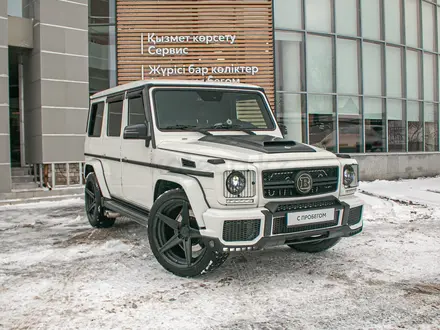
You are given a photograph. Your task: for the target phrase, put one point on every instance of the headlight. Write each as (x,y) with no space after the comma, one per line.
(236,183)
(350,179)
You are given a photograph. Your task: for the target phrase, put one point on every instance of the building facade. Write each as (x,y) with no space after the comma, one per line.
(352,76)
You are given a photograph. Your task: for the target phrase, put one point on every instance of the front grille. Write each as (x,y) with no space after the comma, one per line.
(280,226)
(281,183)
(241,230)
(305,205)
(354,216)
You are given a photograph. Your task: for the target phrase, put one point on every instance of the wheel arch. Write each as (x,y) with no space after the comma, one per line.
(95,166)
(190,186)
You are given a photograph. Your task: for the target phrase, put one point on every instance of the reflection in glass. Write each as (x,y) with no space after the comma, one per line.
(428,26)
(350,125)
(372,69)
(428,76)
(396,126)
(413,74)
(347,66)
(412,22)
(394,71)
(288,14)
(102,11)
(102,58)
(289,56)
(346,17)
(371,19)
(319,64)
(318,15)
(415,127)
(393,21)
(322,128)
(375,130)
(431,127)
(291,114)
(15,8)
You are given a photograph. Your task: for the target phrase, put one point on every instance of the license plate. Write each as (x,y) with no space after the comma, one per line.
(307,217)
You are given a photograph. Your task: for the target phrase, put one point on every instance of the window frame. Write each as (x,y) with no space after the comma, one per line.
(90,119)
(111,100)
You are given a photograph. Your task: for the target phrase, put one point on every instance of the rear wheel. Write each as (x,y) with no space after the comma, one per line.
(93,204)
(175,239)
(314,247)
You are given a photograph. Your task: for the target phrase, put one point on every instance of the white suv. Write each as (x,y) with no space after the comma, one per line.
(206,167)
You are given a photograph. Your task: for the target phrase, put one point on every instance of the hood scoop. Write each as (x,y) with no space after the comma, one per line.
(262,143)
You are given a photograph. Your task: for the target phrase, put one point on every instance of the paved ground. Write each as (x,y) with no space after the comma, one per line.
(58,273)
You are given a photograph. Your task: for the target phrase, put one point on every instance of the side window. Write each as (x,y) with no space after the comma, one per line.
(114,118)
(136,111)
(95,123)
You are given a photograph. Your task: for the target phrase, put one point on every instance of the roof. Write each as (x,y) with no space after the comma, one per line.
(161,82)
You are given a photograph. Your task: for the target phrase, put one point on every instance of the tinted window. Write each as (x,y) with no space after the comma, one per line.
(95,125)
(136,112)
(114,118)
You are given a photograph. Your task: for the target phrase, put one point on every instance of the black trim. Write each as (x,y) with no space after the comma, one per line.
(188,163)
(134,93)
(203,191)
(216,161)
(131,205)
(156,166)
(116,98)
(343,156)
(146,99)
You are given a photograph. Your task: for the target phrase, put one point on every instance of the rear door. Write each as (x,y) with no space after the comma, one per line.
(111,145)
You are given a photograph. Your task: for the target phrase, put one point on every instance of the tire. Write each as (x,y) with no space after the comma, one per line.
(315,247)
(173,234)
(93,204)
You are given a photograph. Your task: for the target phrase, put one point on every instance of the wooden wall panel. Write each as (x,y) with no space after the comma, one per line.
(242,37)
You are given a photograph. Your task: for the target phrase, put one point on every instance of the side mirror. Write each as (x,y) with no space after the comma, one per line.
(137,132)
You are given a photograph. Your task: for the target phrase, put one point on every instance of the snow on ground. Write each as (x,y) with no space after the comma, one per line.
(57,272)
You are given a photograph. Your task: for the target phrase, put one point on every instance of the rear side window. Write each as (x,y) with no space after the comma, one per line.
(95,124)
(114,118)
(136,111)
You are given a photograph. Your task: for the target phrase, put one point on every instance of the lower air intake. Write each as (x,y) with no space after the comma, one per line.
(241,230)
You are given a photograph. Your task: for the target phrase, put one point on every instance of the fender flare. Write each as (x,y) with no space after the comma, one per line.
(100,177)
(193,191)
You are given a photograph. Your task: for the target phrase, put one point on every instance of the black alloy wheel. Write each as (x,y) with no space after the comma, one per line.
(93,204)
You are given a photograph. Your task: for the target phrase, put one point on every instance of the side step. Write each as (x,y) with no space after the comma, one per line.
(136,214)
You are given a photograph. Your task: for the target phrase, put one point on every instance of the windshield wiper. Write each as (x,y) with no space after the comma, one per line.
(234,127)
(189,128)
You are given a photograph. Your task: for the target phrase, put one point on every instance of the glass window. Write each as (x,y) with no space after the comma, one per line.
(319,64)
(394,71)
(322,128)
(210,109)
(15,8)
(431,127)
(288,14)
(114,118)
(290,112)
(95,123)
(428,26)
(375,130)
(428,76)
(136,111)
(412,22)
(393,21)
(415,127)
(413,74)
(371,19)
(346,17)
(318,15)
(396,126)
(350,125)
(102,58)
(102,11)
(289,54)
(372,69)
(347,66)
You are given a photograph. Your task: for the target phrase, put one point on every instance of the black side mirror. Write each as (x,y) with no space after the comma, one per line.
(137,132)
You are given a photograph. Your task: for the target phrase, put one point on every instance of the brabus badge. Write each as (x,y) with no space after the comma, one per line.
(303,183)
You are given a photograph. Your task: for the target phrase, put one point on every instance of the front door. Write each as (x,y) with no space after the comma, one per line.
(136,174)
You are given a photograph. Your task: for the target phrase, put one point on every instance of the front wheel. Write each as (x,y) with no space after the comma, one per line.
(315,247)
(175,239)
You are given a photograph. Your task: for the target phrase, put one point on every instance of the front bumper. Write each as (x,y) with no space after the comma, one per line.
(257,228)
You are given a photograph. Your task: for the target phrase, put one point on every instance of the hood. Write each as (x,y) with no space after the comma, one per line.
(247,148)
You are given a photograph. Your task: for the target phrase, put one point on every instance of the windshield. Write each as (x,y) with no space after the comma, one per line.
(195,109)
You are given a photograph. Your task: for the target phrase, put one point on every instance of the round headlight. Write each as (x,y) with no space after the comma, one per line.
(349,175)
(235,183)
